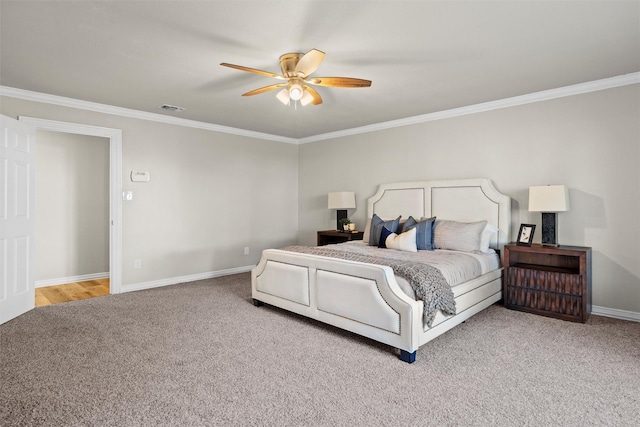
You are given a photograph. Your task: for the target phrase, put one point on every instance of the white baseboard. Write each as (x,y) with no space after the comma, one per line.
(70,279)
(615,313)
(184,279)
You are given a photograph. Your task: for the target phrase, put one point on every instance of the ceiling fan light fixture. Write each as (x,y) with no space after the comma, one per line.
(296,91)
(296,68)
(306,98)
(283,96)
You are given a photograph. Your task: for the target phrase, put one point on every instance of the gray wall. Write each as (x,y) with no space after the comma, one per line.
(210,194)
(72,209)
(589,142)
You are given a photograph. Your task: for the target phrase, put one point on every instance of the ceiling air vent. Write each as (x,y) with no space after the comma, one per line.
(171,108)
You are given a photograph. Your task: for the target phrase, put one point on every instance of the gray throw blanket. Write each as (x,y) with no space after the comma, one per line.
(427,281)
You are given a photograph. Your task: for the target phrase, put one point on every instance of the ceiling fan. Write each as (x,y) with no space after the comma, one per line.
(296,68)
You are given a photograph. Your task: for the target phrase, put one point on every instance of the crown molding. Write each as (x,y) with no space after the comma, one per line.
(545,95)
(136,114)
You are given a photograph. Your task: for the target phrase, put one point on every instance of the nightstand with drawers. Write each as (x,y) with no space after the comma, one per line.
(551,281)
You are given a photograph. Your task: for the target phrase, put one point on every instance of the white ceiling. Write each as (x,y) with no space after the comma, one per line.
(422,56)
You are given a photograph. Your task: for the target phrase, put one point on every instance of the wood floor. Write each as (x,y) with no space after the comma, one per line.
(71,292)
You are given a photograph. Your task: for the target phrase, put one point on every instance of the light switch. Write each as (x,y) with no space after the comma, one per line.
(127,195)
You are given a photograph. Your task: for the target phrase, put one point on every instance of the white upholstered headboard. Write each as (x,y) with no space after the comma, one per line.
(458,200)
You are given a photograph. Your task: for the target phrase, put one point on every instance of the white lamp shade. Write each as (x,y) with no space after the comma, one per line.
(548,198)
(283,96)
(342,200)
(306,98)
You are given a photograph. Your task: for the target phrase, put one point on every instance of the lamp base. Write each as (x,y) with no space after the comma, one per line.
(549,229)
(340,214)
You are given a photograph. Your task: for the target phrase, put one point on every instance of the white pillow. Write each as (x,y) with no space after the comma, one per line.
(485,241)
(367,231)
(403,242)
(458,236)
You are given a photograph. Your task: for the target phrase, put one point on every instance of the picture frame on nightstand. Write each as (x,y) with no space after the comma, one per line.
(525,235)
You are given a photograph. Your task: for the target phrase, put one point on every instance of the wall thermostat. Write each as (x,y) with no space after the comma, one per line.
(140,176)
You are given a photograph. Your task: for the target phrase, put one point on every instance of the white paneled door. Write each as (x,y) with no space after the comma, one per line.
(17,224)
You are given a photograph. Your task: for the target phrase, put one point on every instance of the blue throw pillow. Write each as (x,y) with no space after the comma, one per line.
(383,237)
(424,232)
(376,228)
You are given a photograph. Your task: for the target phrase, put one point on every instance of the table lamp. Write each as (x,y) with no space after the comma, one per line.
(549,199)
(341,201)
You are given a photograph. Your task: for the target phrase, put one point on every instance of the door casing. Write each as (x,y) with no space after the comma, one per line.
(115,185)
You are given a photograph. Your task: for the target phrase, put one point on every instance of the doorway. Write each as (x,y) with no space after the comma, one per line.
(114,220)
(71,217)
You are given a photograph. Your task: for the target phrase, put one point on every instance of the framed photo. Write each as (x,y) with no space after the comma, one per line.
(525,235)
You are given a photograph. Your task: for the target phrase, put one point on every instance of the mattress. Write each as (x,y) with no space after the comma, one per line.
(457,267)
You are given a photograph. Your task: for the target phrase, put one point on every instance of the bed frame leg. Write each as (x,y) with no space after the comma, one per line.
(257,303)
(405,356)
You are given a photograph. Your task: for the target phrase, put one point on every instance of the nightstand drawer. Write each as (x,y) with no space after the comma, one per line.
(552,281)
(544,302)
(544,291)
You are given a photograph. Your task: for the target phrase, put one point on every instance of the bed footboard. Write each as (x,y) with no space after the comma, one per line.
(361,298)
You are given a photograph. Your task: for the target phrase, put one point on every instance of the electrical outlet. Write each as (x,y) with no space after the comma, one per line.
(137,263)
(246,250)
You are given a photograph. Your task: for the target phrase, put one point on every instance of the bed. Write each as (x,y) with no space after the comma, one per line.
(368,298)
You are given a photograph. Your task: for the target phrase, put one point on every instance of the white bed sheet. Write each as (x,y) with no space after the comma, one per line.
(457,267)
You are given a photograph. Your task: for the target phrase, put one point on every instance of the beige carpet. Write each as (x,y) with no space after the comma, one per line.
(201,354)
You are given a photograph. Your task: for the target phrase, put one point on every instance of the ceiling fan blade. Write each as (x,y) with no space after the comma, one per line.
(309,62)
(339,82)
(253,70)
(317,99)
(264,89)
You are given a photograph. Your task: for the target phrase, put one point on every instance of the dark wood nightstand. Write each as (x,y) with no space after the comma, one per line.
(547,280)
(327,237)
